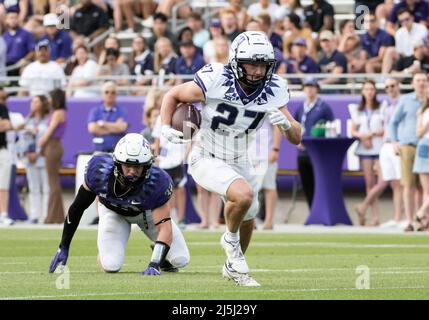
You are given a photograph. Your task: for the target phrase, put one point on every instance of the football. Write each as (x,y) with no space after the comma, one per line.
(187,119)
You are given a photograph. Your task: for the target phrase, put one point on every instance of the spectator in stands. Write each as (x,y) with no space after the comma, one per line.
(418,62)
(164,60)
(3,51)
(165,7)
(201,35)
(5,166)
(263,6)
(221,51)
(186,35)
(3,96)
(311,112)
(21,7)
(112,42)
(141,62)
(299,61)
(51,147)
(382,13)
(240,12)
(160,29)
(421,165)
(229,22)
(419,9)
(368,127)
(405,143)
(189,62)
(34,128)
(130,9)
(319,16)
(265,23)
(151,111)
(286,8)
(81,79)
(375,43)
(332,61)
(89,21)
(19,43)
(216,31)
(71,62)
(349,45)
(42,76)
(107,122)
(390,163)
(60,42)
(293,30)
(111,67)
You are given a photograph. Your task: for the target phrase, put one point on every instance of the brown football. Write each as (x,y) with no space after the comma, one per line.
(187,119)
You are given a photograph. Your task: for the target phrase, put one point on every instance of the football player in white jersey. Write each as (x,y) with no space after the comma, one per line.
(236,99)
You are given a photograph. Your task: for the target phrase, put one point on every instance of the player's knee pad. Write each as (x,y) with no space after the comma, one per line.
(180,261)
(110,263)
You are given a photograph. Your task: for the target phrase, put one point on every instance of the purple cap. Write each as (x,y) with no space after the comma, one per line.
(310,82)
(299,42)
(215,23)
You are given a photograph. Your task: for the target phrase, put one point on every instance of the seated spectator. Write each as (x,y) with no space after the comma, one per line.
(299,61)
(42,76)
(141,60)
(349,45)
(160,29)
(419,9)
(60,42)
(21,7)
(186,35)
(293,30)
(382,13)
(286,8)
(201,35)
(418,62)
(130,9)
(165,7)
(111,67)
(112,42)
(229,23)
(319,16)
(265,23)
(240,12)
(82,77)
(151,111)
(332,61)
(263,6)
(189,62)
(374,44)
(215,32)
(221,45)
(107,122)
(164,60)
(71,62)
(19,43)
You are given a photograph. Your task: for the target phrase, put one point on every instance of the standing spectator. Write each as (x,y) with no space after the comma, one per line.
(313,110)
(293,30)
(60,42)
(332,60)
(107,122)
(189,62)
(38,187)
(82,76)
(368,127)
(215,32)
(240,12)
(405,143)
(42,76)
(419,9)
(19,43)
(51,147)
(375,43)
(160,29)
(390,163)
(319,16)
(111,67)
(201,35)
(229,22)
(265,23)
(164,59)
(5,166)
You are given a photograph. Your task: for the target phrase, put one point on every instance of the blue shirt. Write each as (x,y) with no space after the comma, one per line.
(420,11)
(107,142)
(18,45)
(372,45)
(60,45)
(327,64)
(406,112)
(320,111)
(276,41)
(183,68)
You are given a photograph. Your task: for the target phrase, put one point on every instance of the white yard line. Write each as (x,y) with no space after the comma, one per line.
(317,244)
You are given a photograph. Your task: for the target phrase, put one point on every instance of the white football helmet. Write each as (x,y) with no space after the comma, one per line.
(133,149)
(248,47)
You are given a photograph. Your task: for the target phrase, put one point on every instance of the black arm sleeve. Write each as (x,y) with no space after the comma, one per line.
(83,200)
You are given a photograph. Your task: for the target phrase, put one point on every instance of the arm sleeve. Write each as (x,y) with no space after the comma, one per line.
(82,201)
(396,119)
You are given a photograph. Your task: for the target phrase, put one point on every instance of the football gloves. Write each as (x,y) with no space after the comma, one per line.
(60,257)
(277,118)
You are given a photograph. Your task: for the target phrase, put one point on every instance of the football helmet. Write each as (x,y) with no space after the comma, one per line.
(132,150)
(251,47)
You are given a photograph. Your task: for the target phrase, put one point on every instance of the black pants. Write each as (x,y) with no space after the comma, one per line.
(305,169)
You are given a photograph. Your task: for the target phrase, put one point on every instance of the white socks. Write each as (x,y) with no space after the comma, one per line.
(234,237)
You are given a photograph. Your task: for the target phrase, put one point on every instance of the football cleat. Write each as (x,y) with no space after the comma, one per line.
(240,279)
(236,260)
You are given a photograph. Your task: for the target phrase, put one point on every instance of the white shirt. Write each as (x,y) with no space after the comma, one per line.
(369,121)
(272,10)
(41,78)
(404,40)
(84,72)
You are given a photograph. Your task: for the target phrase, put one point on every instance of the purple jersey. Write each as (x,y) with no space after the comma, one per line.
(154,192)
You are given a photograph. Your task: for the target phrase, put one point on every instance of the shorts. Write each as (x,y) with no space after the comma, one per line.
(368,157)
(216,175)
(407,154)
(5,169)
(268,175)
(390,163)
(178,176)
(421,161)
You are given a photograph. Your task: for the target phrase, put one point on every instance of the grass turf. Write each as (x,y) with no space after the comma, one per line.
(288,266)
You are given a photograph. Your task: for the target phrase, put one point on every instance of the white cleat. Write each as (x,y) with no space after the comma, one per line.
(240,279)
(235,256)
(6,221)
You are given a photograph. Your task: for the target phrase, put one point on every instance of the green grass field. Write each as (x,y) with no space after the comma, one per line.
(288,266)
